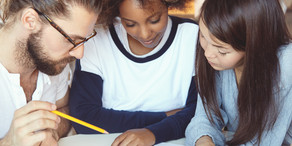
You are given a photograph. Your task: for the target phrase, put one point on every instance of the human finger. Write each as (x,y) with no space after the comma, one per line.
(119,139)
(50,140)
(34,138)
(33,106)
(129,138)
(39,125)
(128,141)
(136,142)
(36,115)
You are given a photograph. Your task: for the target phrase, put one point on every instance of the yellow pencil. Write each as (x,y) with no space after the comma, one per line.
(79,122)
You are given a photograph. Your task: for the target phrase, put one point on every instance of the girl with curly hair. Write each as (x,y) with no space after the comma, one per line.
(136,76)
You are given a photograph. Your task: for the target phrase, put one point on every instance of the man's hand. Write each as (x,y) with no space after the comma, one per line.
(52,139)
(31,123)
(135,137)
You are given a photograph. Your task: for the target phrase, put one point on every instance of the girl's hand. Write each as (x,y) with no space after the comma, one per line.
(135,137)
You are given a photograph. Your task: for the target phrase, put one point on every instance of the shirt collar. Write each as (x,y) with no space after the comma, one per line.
(15,77)
(46,78)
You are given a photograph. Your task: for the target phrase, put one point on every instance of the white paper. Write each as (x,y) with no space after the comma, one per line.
(104,140)
(168,144)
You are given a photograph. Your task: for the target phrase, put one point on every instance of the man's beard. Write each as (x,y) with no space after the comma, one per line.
(33,55)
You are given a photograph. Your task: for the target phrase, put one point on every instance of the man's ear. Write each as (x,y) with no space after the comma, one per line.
(30,20)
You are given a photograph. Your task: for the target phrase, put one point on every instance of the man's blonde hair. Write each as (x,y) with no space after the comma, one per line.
(9,9)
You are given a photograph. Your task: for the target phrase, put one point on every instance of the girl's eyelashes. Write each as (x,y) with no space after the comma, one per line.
(218,47)
(222,53)
(130,25)
(152,22)
(155,21)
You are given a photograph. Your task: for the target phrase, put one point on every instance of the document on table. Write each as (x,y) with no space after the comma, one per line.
(88,140)
(104,140)
(168,144)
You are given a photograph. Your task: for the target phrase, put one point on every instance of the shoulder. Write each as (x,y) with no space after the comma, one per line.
(179,20)
(184,23)
(285,52)
(94,49)
(285,61)
(186,29)
(101,33)
(104,37)
(285,57)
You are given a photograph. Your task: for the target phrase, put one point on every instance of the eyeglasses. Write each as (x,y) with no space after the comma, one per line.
(75,44)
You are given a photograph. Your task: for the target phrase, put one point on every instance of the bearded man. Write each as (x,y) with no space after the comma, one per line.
(38,38)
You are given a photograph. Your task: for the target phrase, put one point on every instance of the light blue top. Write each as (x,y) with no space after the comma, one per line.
(227,93)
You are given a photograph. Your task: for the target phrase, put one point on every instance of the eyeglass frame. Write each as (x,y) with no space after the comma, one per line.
(59,29)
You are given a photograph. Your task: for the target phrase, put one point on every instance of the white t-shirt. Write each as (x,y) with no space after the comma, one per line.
(49,88)
(155,82)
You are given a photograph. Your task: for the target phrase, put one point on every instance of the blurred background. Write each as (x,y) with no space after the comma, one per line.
(193,9)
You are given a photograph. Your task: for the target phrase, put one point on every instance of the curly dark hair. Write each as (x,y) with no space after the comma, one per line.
(111,8)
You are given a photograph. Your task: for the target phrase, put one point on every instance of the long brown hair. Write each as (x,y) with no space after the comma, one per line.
(258,28)
(11,8)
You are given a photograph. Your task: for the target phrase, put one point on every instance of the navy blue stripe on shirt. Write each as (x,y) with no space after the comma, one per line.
(175,22)
(180,20)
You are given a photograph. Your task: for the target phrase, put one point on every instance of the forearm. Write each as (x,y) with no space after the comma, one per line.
(112,120)
(172,127)
(200,126)
(86,104)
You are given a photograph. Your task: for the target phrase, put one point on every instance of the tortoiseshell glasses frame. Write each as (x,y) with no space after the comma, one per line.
(75,45)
